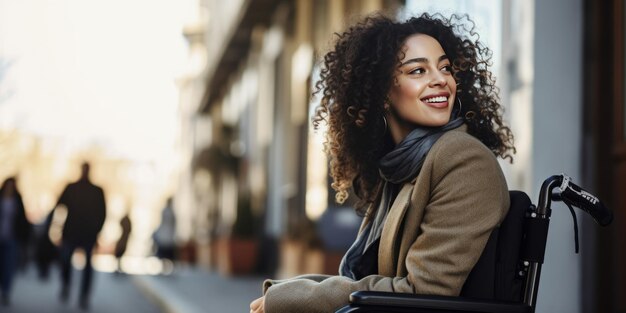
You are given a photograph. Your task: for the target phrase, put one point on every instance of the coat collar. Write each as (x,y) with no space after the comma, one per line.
(462,128)
(391,229)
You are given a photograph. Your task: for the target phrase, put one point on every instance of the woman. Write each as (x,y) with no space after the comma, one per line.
(14,230)
(414,129)
(122,242)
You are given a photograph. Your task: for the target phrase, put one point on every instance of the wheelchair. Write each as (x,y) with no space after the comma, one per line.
(506,277)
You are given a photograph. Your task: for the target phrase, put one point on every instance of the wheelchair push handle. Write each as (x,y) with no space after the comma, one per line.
(580,198)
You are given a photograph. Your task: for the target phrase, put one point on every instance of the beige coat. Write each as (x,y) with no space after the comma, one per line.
(434,233)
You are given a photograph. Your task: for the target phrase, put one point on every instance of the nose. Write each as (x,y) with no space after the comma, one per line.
(438,79)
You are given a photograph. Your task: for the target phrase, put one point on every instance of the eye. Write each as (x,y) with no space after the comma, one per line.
(418,70)
(446,69)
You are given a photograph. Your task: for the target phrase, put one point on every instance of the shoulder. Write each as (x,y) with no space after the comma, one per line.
(459,141)
(71,186)
(462,156)
(462,165)
(458,148)
(93,186)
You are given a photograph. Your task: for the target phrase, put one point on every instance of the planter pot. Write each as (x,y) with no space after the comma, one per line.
(292,258)
(296,259)
(322,261)
(236,256)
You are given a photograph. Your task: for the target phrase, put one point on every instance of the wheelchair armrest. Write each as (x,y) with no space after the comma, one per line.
(373,301)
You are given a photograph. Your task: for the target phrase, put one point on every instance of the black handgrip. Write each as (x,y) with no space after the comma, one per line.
(578,197)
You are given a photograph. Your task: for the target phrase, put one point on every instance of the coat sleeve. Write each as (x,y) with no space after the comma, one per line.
(468,199)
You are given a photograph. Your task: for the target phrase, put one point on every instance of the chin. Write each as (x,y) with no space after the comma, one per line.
(440,122)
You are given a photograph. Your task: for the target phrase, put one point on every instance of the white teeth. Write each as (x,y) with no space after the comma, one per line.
(436,99)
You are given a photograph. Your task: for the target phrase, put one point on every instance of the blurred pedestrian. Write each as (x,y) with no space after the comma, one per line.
(45,250)
(120,247)
(86,212)
(165,235)
(14,233)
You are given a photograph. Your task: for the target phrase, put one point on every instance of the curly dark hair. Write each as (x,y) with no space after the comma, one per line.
(357,74)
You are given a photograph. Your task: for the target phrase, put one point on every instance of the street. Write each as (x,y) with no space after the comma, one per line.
(188,290)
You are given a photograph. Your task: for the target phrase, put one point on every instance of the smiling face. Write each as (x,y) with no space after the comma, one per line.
(424,88)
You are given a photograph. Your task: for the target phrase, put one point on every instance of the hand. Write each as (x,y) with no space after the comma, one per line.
(258,305)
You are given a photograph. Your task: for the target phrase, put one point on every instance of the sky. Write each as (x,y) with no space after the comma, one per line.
(90,71)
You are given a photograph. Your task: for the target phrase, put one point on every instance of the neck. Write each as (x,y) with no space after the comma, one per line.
(397,129)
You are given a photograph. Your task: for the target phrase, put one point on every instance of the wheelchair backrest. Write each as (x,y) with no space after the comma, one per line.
(496,275)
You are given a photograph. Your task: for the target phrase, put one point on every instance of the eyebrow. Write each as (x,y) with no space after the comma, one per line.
(422,60)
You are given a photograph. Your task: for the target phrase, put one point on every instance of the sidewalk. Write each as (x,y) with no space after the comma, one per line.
(110,293)
(194,290)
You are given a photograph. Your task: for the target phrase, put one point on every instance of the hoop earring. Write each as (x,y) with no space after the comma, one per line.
(386,125)
(460,105)
(386,106)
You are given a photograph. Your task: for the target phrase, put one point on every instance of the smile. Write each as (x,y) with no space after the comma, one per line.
(436,99)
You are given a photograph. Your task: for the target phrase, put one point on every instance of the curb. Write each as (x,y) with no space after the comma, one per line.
(163,296)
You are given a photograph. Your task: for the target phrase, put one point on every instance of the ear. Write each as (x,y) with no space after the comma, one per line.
(388,103)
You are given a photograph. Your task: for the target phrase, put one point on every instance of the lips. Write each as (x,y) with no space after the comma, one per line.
(438,101)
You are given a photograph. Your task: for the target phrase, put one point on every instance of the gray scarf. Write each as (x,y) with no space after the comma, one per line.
(405,161)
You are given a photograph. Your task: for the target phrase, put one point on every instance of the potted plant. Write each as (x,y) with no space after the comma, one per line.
(238,251)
